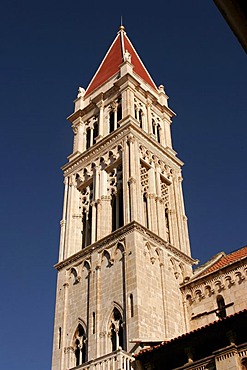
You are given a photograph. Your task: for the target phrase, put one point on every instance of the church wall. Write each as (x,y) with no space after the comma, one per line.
(201,295)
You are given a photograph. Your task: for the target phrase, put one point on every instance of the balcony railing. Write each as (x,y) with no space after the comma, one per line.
(117,360)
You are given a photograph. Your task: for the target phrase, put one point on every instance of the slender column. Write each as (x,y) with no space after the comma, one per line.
(105,226)
(126,195)
(161,134)
(149,118)
(128,108)
(138,182)
(132,180)
(167,134)
(64,327)
(69,217)
(101,118)
(97,311)
(151,201)
(115,115)
(91,134)
(63,221)
(173,221)
(78,129)
(184,225)
(164,294)
(159,205)
(94,222)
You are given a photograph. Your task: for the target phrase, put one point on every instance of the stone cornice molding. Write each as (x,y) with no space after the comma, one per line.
(116,138)
(215,282)
(117,237)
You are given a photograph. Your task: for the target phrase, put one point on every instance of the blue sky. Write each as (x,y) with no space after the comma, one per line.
(48,49)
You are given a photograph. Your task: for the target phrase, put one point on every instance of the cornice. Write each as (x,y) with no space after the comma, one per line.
(113,139)
(231,267)
(117,236)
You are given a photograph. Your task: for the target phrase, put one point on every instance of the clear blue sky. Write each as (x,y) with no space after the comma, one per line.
(48,49)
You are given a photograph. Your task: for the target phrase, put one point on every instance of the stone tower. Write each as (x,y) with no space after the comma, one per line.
(124,246)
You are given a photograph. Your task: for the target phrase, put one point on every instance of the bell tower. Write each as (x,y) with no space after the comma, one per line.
(124,245)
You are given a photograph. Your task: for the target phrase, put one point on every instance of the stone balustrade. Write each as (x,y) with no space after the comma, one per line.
(117,360)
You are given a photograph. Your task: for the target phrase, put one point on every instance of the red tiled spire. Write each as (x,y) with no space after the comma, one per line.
(112,60)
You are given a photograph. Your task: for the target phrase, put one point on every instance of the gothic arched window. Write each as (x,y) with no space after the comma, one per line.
(80,346)
(87,195)
(116,330)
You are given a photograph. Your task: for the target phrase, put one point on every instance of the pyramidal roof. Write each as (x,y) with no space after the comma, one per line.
(114,58)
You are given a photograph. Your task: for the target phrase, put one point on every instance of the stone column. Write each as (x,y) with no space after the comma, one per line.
(173,221)
(105,210)
(132,180)
(128,108)
(101,119)
(167,133)
(184,219)
(64,343)
(63,221)
(69,217)
(149,118)
(78,129)
(161,134)
(126,175)
(151,196)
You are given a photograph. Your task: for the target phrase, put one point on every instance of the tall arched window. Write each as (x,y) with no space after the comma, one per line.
(115,115)
(116,330)
(87,195)
(80,344)
(221,312)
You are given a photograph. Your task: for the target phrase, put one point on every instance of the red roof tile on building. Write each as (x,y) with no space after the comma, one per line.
(226,260)
(112,60)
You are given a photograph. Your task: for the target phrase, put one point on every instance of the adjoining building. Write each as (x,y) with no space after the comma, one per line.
(125,278)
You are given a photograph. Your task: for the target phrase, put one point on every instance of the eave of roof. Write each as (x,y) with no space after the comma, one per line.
(213,324)
(224,261)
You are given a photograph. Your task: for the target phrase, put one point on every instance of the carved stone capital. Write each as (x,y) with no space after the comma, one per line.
(62,223)
(132,180)
(131,138)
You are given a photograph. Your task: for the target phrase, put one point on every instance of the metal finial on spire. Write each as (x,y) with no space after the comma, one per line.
(121,24)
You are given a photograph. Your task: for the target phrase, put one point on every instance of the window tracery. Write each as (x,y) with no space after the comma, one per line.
(86,204)
(156,127)
(80,345)
(116,330)
(92,131)
(115,189)
(115,114)
(139,112)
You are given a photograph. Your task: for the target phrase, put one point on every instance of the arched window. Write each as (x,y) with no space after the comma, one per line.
(140,117)
(136,112)
(80,348)
(119,111)
(221,312)
(167,225)
(87,195)
(154,127)
(88,133)
(116,330)
(145,209)
(111,121)
(115,115)
(95,131)
(158,133)
(131,305)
